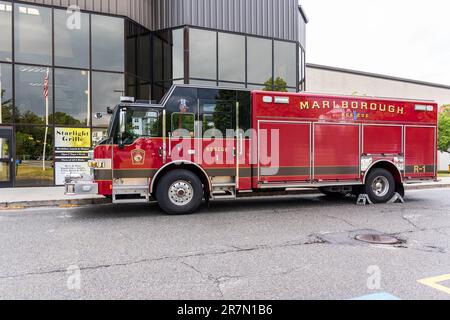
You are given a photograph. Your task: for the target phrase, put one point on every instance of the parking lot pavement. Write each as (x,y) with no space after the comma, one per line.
(299,247)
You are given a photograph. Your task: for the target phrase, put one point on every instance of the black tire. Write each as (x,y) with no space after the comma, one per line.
(387,194)
(167,204)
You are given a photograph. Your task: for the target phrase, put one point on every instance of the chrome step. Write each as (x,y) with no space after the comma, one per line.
(128,191)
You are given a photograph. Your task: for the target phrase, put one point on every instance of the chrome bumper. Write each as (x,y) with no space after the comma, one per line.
(74,185)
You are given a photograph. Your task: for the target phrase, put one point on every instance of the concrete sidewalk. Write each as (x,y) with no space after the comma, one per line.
(44,197)
(54,196)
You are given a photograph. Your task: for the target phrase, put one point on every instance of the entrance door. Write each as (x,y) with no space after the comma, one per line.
(6,158)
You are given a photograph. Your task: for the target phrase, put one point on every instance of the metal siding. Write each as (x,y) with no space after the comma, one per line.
(279,19)
(270,18)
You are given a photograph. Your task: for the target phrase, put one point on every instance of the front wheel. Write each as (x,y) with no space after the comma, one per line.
(380,186)
(179,192)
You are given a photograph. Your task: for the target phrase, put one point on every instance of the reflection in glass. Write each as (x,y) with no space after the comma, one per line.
(6,93)
(31,103)
(286,62)
(202,54)
(259,60)
(6,29)
(178,53)
(71,97)
(32,168)
(231,57)
(33,34)
(98,135)
(71,41)
(108,51)
(107,88)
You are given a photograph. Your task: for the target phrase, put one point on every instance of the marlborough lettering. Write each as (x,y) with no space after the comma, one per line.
(351,105)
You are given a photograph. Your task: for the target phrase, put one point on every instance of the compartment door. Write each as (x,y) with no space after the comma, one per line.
(420,152)
(336,152)
(284,152)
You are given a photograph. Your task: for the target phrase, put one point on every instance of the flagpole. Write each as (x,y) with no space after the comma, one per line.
(46,92)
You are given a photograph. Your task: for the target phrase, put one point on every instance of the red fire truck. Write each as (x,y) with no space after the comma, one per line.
(203,143)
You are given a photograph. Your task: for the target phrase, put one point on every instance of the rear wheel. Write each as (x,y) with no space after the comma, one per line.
(380,186)
(179,192)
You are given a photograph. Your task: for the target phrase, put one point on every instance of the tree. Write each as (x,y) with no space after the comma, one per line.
(279,85)
(444,129)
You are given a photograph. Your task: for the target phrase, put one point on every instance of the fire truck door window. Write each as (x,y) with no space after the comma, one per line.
(140,123)
(217,117)
(182,100)
(183,125)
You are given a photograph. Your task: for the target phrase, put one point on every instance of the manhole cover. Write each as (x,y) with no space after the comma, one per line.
(377,239)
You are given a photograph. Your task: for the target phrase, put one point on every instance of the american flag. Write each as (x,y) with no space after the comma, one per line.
(46,86)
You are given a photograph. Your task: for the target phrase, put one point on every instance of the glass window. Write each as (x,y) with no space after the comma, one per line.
(183,124)
(32,102)
(107,88)
(217,115)
(202,54)
(140,123)
(6,93)
(285,63)
(178,53)
(34,155)
(98,135)
(71,40)
(71,97)
(231,57)
(108,48)
(6,28)
(33,34)
(144,66)
(183,100)
(259,60)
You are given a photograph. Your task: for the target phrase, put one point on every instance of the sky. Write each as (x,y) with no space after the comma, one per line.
(402,38)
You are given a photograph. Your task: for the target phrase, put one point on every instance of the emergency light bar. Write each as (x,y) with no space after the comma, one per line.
(127,99)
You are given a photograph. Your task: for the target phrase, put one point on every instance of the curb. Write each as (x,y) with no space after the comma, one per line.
(53,203)
(426,186)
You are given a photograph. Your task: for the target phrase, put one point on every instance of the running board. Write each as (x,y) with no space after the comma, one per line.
(130,194)
(223,191)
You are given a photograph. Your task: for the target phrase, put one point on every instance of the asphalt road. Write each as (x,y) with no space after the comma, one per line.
(298,247)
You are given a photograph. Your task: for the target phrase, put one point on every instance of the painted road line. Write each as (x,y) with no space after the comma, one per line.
(434,283)
(378,296)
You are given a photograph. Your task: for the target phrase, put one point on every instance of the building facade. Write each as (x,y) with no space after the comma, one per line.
(343,81)
(61,68)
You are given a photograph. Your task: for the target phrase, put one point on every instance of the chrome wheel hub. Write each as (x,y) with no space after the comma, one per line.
(181,193)
(380,186)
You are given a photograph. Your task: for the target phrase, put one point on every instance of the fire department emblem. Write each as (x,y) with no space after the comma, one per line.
(138,157)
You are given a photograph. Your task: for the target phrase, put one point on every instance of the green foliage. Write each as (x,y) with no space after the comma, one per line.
(279,85)
(444,129)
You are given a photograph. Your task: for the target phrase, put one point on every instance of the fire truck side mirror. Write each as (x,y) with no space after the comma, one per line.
(122,121)
(122,125)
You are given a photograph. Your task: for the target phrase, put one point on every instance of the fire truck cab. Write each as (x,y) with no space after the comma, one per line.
(202,143)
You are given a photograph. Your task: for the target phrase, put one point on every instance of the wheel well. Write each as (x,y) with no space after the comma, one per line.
(182,166)
(389,166)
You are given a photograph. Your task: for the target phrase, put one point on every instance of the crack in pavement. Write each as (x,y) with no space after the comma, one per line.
(150,260)
(217,282)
